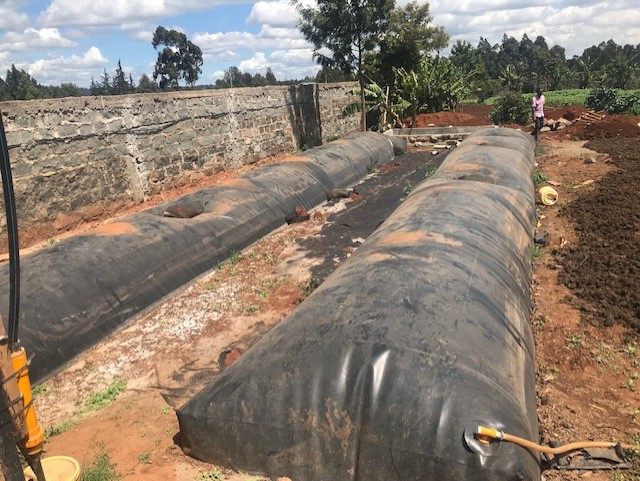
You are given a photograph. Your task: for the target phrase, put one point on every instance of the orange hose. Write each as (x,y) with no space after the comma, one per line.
(485,434)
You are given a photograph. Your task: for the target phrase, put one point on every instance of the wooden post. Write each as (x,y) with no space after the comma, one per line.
(10,467)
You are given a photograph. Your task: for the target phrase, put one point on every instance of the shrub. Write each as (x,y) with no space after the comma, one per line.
(512,108)
(612,101)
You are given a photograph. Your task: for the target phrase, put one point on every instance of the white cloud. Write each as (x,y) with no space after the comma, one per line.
(224,45)
(97,13)
(33,39)
(218,74)
(74,69)
(286,64)
(278,14)
(257,63)
(10,19)
(143,35)
(117,12)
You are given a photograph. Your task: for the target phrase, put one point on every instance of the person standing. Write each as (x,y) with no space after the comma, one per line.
(537,112)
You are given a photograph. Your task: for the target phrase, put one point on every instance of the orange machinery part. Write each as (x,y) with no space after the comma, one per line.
(34,440)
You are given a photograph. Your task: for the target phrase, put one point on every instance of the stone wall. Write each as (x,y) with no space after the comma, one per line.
(80,158)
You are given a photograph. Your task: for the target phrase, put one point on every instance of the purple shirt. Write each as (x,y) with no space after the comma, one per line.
(538,106)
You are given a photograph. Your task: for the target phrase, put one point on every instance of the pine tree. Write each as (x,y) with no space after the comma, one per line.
(132,86)
(105,85)
(120,85)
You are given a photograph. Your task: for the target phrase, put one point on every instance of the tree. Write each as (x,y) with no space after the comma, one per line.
(270,77)
(120,85)
(259,80)
(586,66)
(105,84)
(5,93)
(617,73)
(179,59)
(489,56)
(348,29)
(94,87)
(232,77)
(468,61)
(66,90)
(557,70)
(21,86)
(331,75)
(436,85)
(409,37)
(146,85)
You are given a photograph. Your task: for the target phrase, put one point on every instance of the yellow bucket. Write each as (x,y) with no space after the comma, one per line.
(548,195)
(56,468)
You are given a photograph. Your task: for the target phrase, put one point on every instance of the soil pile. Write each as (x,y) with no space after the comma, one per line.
(611,126)
(468,114)
(603,269)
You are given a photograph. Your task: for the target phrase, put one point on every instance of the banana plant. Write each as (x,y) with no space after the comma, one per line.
(378,100)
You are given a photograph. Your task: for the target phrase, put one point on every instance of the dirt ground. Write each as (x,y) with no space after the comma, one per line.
(585,290)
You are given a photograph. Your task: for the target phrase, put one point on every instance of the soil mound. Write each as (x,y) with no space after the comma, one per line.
(611,126)
(468,114)
(602,270)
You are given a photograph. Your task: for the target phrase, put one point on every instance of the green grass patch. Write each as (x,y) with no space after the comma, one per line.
(534,252)
(59,429)
(100,399)
(209,476)
(539,177)
(145,458)
(38,390)
(102,469)
(560,98)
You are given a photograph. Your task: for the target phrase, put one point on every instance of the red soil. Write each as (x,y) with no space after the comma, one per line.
(611,126)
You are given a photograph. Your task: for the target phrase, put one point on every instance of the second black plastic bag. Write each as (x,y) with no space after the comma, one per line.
(421,334)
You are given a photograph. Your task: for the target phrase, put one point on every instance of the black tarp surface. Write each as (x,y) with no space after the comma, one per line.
(81,289)
(421,334)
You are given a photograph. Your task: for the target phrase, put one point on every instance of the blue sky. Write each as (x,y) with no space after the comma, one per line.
(73,40)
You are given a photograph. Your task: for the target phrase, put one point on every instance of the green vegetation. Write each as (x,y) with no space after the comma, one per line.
(534,252)
(560,98)
(100,399)
(614,101)
(539,177)
(208,476)
(430,172)
(102,469)
(39,389)
(512,108)
(59,429)
(234,256)
(574,342)
(308,287)
(144,458)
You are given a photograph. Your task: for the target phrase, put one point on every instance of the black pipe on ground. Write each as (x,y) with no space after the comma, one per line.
(76,292)
(420,336)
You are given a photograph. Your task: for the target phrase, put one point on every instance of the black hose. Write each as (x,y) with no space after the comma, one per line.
(12,234)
